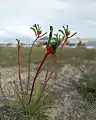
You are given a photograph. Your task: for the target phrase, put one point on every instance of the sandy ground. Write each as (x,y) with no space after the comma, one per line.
(66,98)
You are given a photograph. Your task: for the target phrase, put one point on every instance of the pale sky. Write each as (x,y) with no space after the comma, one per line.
(17,16)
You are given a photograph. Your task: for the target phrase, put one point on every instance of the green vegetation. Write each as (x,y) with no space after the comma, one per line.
(87,84)
(68,55)
(18,109)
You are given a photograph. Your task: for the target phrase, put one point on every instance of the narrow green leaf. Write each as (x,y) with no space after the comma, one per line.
(37,89)
(46,117)
(67,27)
(47,107)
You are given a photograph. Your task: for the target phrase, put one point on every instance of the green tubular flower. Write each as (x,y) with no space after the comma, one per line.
(37,30)
(54,41)
(53,46)
(50,35)
(51,43)
(18,41)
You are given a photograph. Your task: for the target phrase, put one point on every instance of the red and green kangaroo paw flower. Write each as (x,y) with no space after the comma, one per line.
(39,33)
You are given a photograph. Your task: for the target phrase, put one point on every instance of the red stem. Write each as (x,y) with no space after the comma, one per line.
(19,71)
(36,75)
(29,62)
(64,41)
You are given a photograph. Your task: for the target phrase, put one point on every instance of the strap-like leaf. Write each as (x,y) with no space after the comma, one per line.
(72,35)
(45,117)
(37,89)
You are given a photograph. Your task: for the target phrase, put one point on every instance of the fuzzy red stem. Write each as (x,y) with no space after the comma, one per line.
(36,75)
(65,41)
(19,71)
(29,62)
(30,59)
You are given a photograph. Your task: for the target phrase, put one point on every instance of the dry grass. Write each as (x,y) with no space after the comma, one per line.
(8,56)
(61,88)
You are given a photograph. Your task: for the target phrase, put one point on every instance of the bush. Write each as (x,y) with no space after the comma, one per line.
(86,85)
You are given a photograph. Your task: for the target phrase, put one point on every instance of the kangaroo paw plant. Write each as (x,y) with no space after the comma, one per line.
(34,104)
(66,34)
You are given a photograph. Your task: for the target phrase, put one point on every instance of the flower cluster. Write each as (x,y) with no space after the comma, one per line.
(54,41)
